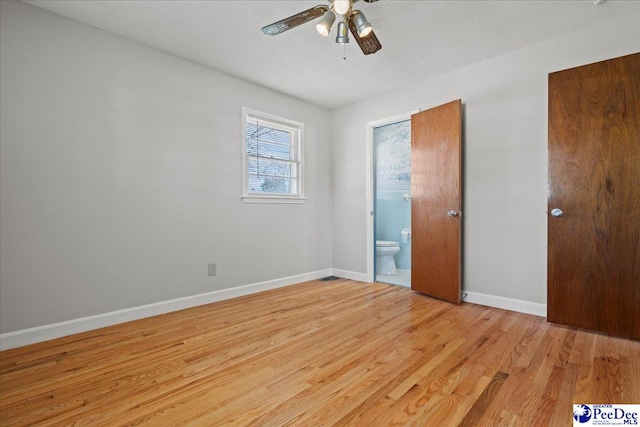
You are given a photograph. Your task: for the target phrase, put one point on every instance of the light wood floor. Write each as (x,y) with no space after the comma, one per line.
(320,353)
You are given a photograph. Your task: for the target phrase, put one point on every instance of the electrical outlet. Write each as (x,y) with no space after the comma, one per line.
(212,269)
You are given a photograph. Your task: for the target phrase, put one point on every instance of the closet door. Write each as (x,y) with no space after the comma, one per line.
(594,197)
(436,226)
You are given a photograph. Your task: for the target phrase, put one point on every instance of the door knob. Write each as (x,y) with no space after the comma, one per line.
(557,212)
(454,213)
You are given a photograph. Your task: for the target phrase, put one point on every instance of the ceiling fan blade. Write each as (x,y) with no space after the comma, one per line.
(369,43)
(295,20)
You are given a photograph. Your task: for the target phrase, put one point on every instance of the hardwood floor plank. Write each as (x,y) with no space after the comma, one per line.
(484,400)
(320,353)
(426,369)
(630,366)
(562,412)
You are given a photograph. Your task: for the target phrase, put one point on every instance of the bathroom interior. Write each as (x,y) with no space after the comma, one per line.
(392,202)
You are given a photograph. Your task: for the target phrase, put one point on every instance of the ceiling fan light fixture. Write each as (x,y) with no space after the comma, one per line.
(341,7)
(363,26)
(343,33)
(324,16)
(325,23)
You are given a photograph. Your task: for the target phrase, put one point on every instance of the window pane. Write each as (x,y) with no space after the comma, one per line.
(269,134)
(265,141)
(267,184)
(260,166)
(264,149)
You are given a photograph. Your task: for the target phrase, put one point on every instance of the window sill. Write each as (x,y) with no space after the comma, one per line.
(273,199)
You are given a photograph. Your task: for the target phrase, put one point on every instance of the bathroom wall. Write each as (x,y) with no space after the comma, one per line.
(393,180)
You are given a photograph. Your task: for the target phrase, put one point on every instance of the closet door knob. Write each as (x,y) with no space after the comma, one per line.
(454,213)
(557,212)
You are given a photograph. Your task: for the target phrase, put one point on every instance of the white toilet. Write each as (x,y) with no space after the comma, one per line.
(385,251)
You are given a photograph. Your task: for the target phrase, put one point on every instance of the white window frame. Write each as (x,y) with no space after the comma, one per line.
(297,131)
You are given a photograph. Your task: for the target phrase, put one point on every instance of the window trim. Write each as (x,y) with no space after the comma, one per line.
(298,129)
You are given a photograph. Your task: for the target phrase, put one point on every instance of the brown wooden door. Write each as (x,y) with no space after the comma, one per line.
(436,201)
(594,179)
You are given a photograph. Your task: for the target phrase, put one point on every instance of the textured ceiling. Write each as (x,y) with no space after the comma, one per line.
(419,38)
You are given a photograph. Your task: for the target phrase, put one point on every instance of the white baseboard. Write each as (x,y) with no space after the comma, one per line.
(520,306)
(352,275)
(56,330)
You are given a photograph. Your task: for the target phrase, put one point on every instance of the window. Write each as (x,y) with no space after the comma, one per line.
(272,159)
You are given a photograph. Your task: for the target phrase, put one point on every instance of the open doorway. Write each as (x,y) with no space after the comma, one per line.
(433,234)
(390,149)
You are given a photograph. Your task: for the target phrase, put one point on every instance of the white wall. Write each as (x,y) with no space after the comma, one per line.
(121,176)
(505,160)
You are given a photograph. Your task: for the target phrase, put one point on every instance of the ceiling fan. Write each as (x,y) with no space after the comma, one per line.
(342,9)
